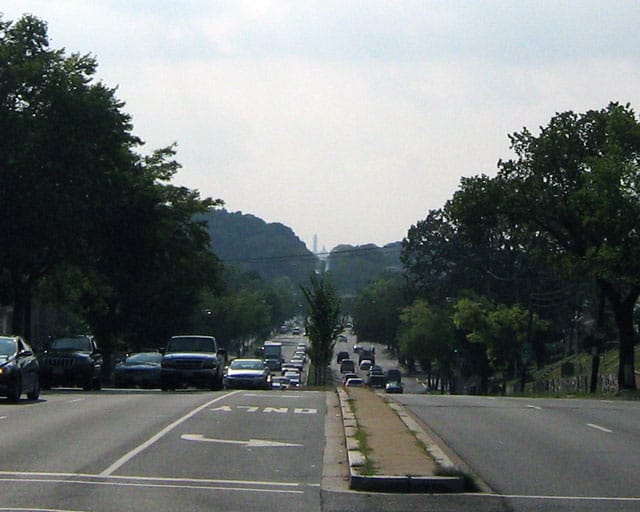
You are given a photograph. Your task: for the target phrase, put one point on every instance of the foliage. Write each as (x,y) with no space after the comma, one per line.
(323,324)
(427,333)
(376,312)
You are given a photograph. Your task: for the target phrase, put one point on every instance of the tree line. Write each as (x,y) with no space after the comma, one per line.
(514,267)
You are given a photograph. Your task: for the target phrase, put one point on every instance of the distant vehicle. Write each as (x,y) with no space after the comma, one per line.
(342,356)
(294,378)
(367,353)
(356,382)
(393,387)
(357,348)
(71,361)
(365,365)
(298,362)
(296,330)
(347,376)
(342,338)
(376,370)
(394,375)
(376,380)
(280,382)
(192,360)
(141,369)
(19,369)
(272,354)
(347,365)
(247,373)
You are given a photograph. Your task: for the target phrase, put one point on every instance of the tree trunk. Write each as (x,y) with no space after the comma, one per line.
(623,312)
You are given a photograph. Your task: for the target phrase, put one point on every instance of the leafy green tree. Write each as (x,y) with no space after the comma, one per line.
(376,312)
(323,324)
(575,187)
(427,334)
(62,138)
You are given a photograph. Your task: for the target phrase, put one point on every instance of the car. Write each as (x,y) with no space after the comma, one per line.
(376,370)
(247,373)
(355,382)
(393,387)
(376,380)
(297,362)
(365,365)
(348,376)
(192,360)
(296,331)
(294,377)
(141,369)
(347,365)
(280,383)
(342,338)
(357,348)
(342,356)
(288,367)
(394,375)
(275,365)
(74,361)
(19,369)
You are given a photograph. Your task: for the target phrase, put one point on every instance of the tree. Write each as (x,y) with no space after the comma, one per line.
(62,137)
(323,324)
(427,334)
(576,187)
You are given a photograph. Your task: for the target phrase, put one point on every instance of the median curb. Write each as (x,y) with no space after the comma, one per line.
(395,483)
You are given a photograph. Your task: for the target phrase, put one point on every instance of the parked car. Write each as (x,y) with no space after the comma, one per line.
(72,361)
(393,387)
(247,373)
(140,369)
(19,369)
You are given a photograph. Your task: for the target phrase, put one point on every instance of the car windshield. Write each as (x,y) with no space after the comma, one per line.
(7,346)
(191,344)
(81,343)
(247,364)
(144,358)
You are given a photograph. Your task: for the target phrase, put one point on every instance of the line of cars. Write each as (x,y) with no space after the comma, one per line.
(367,373)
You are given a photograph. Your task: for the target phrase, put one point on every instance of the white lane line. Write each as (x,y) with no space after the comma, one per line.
(128,456)
(536,407)
(3,417)
(598,427)
(76,400)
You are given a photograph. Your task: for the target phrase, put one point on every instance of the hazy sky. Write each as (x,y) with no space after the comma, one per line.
(346,119)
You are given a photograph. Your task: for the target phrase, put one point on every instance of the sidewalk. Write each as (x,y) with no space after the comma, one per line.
(399,456)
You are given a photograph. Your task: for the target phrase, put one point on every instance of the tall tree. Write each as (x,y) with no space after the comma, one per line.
(324,323)
(62,138)
(576,186)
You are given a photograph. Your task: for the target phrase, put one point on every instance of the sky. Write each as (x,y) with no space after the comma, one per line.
(346,119)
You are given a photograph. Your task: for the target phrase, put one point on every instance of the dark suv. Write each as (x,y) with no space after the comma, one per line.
(71,361)
(192,360)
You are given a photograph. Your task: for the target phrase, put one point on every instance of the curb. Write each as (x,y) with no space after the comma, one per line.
(395,483)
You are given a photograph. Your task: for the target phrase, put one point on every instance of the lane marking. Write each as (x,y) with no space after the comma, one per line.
(251,443)
(536,407)
(150,482)
(153,439)
(598,427)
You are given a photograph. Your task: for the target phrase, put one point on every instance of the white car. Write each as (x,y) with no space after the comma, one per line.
(294,379)
(356,382)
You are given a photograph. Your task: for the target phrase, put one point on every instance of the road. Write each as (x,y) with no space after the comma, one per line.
(544,454)
(148,450)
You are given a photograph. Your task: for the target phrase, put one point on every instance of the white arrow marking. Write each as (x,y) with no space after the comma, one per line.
(251,443)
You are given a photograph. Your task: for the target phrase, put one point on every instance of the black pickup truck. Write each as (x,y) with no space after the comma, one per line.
(71,361)
(192,360)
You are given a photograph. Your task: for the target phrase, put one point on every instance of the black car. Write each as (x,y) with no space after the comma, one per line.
(74,361)
(19,369)
(141,369)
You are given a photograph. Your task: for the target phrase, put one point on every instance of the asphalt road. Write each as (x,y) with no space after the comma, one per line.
(543,454)
(189,450)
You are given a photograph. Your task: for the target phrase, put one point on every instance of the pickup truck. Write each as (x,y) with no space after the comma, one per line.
(192,360)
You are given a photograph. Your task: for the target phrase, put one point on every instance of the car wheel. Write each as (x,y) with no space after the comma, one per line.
(34,394)
(14,392)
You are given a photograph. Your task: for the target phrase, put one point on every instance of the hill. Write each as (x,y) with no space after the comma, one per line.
(270,249)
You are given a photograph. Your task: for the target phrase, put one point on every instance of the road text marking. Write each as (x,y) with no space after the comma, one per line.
(598,427)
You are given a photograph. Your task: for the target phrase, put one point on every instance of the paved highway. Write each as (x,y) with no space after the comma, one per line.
(543,454)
